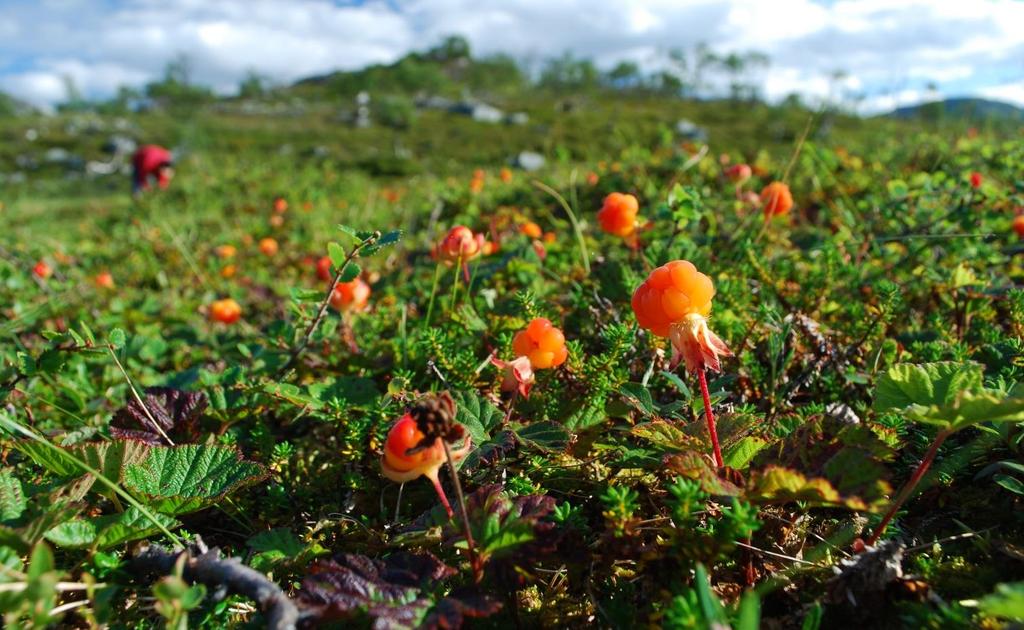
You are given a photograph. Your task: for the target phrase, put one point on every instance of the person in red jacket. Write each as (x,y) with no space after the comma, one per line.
(151,162)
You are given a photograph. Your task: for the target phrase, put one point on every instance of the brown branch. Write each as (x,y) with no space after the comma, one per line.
(209,568)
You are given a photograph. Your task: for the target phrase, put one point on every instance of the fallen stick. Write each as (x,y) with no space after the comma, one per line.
(209,568)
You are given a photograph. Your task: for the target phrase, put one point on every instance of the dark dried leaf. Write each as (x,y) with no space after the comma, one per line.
(399,591)
(175,412)
(451,611)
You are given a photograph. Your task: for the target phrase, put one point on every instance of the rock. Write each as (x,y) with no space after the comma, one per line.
(57,155)
(31,135)
(530,161)
(691,131)
(120,145)
(517,118)
(843,413)
(482,112)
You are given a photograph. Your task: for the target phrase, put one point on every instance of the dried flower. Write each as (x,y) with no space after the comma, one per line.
(414,444)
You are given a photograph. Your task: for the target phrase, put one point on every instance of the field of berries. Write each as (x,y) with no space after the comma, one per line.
(672,387)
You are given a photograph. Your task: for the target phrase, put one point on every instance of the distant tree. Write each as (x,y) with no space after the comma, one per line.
(704,58)
(452,48)
(625,75)
(254,85)
(176,88)
(73,99)
(675,79)
(496,73)
(126,99)
(569,72)
(668,83)
(736,66)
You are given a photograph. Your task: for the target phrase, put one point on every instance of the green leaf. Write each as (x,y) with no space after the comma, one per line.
(386,239)
(300,294)
(476,414)
(274,546)
(740,454)
(587,414)
(12,498)
(749,615)
(41,561)
(710,606)
(639,397)
(117,338)
(107,531)
(1007,602)
(337,254)
(350,272)
(668,436)
(930,384)
(181,479)
(543,436)
(1010,483)
(812,620)
(984,406)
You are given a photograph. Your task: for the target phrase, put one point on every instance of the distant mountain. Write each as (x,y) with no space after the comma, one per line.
(971,108)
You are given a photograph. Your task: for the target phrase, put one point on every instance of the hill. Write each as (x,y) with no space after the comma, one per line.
(961,107)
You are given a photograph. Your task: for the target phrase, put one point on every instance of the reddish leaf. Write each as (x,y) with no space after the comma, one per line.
(175,412)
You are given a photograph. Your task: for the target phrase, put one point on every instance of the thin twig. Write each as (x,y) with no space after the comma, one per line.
(322,310)
(473,560)
(138,398)
(779,555)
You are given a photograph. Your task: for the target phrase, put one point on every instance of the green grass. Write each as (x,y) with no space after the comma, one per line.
(888,256)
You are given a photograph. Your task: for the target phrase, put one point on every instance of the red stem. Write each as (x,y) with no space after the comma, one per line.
(710,415)
(441,495)
(908,488)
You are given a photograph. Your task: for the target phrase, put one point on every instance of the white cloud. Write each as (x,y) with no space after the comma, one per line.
(889,49)
(1009,92)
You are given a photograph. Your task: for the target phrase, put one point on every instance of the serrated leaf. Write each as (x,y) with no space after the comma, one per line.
(543,435)
(165,412)
(694,466)
(181,479)
(103,532)
(476,414)
(930,384)
(776,484)
(740,454)
(292,394)
(587,413)
(667,436)
(639,397)
(12,497)
(337,254)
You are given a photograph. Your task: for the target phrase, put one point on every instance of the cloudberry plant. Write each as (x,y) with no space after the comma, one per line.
(675,302)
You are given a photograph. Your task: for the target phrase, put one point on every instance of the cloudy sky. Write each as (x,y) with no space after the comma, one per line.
(891,50)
